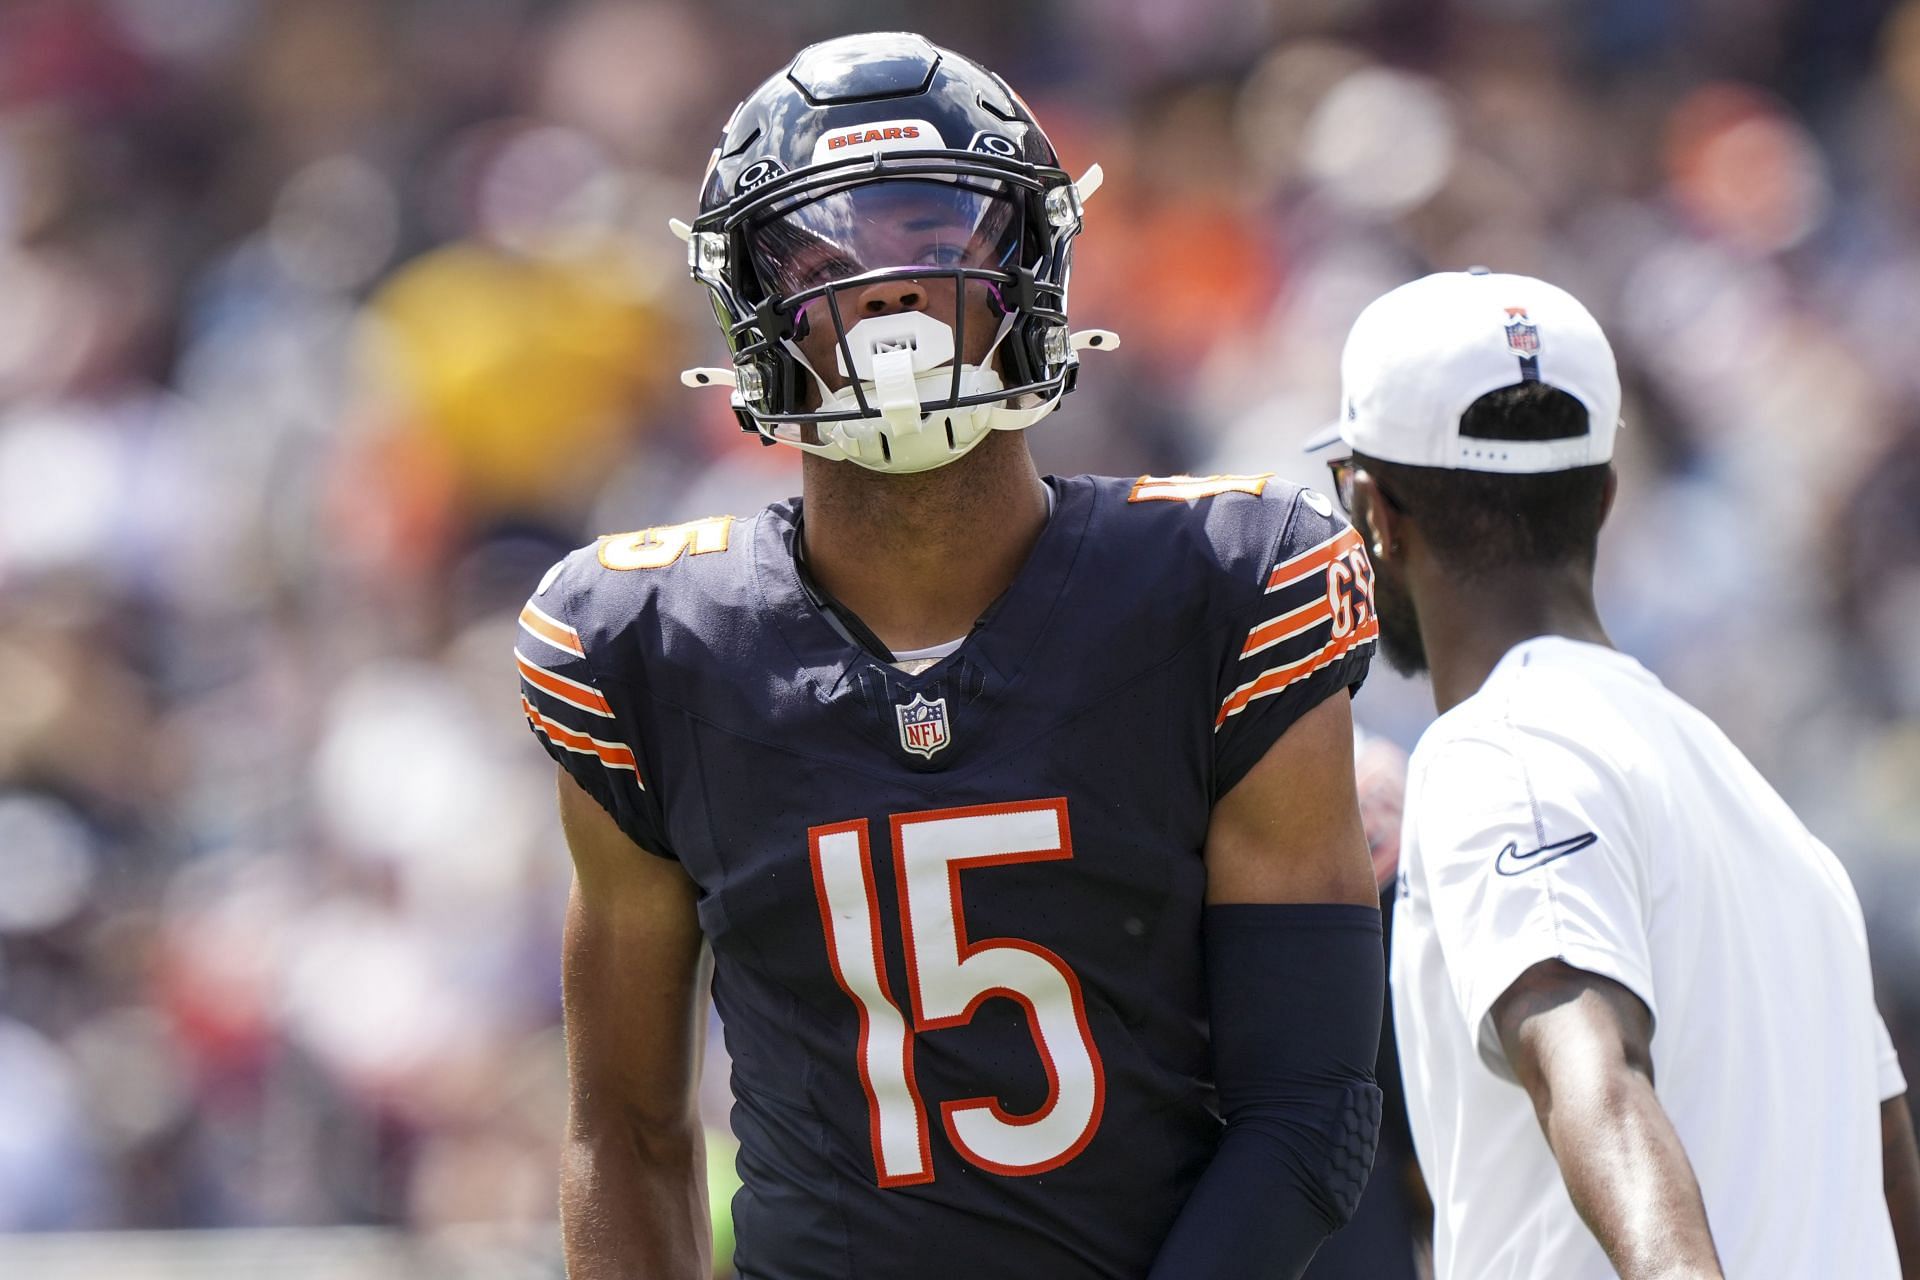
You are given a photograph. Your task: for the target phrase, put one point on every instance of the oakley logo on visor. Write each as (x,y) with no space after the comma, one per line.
(881,135)
(995,144)
(758,174)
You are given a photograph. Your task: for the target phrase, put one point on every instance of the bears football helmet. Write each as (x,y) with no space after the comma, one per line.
(887,236)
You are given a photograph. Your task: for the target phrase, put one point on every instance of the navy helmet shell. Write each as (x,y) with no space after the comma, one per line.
(868,79)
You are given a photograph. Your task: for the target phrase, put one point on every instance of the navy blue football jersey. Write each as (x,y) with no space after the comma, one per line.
(955,916)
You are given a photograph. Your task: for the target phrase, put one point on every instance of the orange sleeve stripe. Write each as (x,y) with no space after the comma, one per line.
(1313,560)
(613,755)
(571,692)
(1287,625)
(545,627)
(1278,678)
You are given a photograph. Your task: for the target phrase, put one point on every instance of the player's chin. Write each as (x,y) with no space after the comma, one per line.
(1400,642)
(1408,656)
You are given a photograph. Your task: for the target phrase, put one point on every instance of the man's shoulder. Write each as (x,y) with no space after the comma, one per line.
(1224,535)
(646,584)
(1537,727)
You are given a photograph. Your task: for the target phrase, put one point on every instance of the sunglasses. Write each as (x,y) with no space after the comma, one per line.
(1343,470)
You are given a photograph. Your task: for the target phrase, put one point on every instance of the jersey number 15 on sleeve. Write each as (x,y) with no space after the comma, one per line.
(950,975)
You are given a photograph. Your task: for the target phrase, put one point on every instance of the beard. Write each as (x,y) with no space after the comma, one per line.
(1400,642)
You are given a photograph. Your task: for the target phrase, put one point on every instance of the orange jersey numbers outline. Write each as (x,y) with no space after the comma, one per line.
(658,547)
(949,975)
(1189,488)
(1350,592)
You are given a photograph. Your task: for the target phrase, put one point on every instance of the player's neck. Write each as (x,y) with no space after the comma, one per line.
(919,558)
(1468,625)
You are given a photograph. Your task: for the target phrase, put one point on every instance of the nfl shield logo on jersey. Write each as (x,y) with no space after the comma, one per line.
(923,725)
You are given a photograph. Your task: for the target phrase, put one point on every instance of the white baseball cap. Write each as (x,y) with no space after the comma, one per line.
(1418,357)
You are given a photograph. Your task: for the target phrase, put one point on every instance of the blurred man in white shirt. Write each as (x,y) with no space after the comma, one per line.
(1635,1013)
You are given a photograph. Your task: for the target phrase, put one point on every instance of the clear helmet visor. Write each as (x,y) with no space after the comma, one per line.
(890,251)
(871,322)
(879,226)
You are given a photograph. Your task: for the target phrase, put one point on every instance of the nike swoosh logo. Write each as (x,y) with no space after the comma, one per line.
(1511,862)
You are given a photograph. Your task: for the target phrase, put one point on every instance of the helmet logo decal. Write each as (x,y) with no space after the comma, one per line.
(880,135)
(995,144)
(758,174)
(923,725)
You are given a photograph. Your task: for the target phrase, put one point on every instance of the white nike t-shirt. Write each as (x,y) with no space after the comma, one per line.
(1575,809)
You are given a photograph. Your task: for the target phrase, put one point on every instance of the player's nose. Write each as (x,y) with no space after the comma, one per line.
(889,296)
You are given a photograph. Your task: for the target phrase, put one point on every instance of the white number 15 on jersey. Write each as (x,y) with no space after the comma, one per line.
(950,976)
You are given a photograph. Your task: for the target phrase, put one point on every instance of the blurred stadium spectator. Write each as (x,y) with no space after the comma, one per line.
(330,323)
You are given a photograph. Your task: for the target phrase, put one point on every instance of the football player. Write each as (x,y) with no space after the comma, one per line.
(1014,818)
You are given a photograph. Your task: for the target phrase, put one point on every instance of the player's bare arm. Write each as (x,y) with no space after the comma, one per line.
(1581,1046)
(1900,1169)
(1289,886)
(633,1179)
(1290,831)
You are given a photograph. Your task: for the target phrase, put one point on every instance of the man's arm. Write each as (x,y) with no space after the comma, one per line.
(1581,1046)
(1900,1170)
(1290,831)
(633,1192)
(1295,981)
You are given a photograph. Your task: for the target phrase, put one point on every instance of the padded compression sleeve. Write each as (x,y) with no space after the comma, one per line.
(1296,994)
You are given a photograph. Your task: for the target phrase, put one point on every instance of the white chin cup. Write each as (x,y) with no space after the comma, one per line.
(903,439)
(903,361)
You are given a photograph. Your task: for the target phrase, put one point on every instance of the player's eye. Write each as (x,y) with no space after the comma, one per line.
(946,254)
(820,270)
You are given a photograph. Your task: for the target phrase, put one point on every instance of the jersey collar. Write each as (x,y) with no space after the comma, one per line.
(1000,643)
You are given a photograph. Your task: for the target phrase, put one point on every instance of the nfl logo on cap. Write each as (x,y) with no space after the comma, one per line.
(923,725)
(1523,335)
(1419,356)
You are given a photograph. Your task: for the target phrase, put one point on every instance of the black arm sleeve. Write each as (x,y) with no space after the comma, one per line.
(1296,994)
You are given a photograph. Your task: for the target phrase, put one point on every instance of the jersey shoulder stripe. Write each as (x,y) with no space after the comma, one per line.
(1274,679)
(554,685)
(1314,559)
(613,755)
(1318,609)
(549,630)
(1293,622)
(581,714)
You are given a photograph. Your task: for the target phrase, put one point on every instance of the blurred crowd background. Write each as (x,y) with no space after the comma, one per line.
(326,325)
